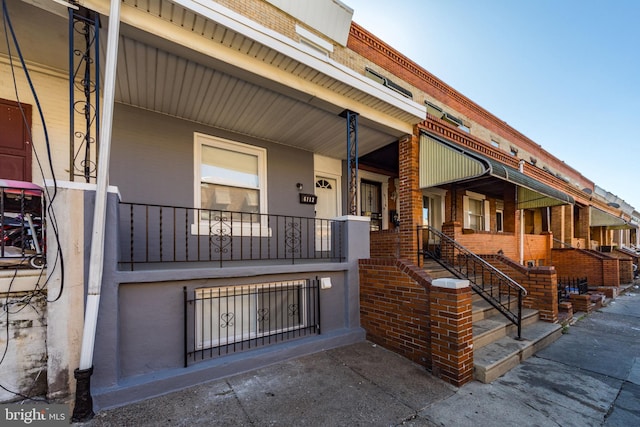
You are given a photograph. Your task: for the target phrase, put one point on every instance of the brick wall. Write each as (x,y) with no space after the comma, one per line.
(540,282)
(410,198)
(430,325)
(394,307)
(599,268)
(385,244)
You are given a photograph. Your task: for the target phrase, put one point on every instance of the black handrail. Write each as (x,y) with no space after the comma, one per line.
(491,284)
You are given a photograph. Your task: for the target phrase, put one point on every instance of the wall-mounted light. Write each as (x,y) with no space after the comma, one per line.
(299,186)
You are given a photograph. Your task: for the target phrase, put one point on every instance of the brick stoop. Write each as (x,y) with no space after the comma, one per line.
(496,351)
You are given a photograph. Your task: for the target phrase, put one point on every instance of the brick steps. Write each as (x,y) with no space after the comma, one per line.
(496,351)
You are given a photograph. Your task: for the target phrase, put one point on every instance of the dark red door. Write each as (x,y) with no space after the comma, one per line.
(15,142)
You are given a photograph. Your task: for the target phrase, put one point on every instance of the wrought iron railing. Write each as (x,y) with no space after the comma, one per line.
(160,234)
(572,285)
(224,320)
(498,289)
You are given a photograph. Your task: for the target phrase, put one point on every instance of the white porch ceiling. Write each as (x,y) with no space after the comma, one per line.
(159,75)
(156,80)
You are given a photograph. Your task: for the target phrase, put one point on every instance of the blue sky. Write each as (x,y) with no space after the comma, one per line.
(565,73)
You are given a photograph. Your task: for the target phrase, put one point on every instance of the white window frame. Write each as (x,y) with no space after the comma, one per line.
(239,228)
(250,325)
(485,217)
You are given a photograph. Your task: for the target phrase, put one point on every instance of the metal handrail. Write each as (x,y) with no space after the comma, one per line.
(465,264)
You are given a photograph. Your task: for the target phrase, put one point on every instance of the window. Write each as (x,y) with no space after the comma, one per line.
(476,214)
(495,143)
(499,216)
(476,210)
(233,314)
(230,179)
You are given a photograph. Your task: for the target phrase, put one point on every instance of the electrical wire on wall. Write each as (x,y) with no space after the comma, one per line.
(39,291)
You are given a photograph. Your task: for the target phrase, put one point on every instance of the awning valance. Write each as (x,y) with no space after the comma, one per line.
(600,218)
(443,162)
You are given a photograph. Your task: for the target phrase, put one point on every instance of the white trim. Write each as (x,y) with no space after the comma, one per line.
(201,139)
(353,218)
(450,283)
(313,39)
(85,186)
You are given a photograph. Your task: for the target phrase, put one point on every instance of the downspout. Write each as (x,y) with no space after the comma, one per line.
(83,409)
(521,169)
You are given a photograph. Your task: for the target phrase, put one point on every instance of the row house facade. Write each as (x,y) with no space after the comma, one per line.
(267,160)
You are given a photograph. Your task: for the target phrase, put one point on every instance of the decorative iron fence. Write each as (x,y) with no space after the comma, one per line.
(498,289)
(160,234)
(224,320)
(572,285)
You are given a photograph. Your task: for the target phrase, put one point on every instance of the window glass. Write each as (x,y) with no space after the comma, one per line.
(232,178)
(476,217)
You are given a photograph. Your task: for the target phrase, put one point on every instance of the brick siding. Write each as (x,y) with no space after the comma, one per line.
(599,268)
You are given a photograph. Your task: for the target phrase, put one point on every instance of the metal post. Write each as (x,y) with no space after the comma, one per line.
(352,159)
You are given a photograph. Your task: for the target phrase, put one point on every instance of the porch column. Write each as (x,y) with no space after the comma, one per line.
(352,159)
(410,197)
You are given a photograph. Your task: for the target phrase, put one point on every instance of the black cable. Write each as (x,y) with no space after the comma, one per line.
(54,223)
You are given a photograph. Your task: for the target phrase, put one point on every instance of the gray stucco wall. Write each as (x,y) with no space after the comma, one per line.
(139,347)
(152,161)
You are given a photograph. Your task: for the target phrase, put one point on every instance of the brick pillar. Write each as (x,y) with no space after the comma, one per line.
(542,292)
(410,197)
(451,331)
(583,228)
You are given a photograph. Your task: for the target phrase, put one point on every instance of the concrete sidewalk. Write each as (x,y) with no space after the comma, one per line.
(589,377)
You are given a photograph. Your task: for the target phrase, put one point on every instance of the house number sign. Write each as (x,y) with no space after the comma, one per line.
(308,199)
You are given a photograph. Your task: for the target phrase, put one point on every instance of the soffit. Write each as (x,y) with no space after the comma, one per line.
(600,218)
(163,75)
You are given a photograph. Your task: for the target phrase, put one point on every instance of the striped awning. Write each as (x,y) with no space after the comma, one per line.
(443,162)
(600,218)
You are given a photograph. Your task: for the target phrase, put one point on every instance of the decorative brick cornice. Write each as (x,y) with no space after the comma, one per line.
(366,44)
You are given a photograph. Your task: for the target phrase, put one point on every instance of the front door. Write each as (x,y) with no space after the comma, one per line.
(15,141)
(326,208)
(371,203)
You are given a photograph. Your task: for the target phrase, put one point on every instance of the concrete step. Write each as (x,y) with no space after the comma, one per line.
(495,359)
(488,330)
(481,309)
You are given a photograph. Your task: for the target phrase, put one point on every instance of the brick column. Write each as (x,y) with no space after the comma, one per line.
(542,292)
(451,331)
(410,197)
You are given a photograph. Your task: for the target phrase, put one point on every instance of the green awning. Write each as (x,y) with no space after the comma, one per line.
(443,162)
(600,218)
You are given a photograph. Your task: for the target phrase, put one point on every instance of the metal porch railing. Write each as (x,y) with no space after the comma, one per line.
(572,285)
(160,234)
(498,289)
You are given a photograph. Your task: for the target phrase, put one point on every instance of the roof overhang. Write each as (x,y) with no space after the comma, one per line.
(600,218)
(443,162)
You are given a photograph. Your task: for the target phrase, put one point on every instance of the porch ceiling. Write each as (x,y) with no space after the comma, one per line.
(195,88)
(600,218)
(249,80)
(198,64)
